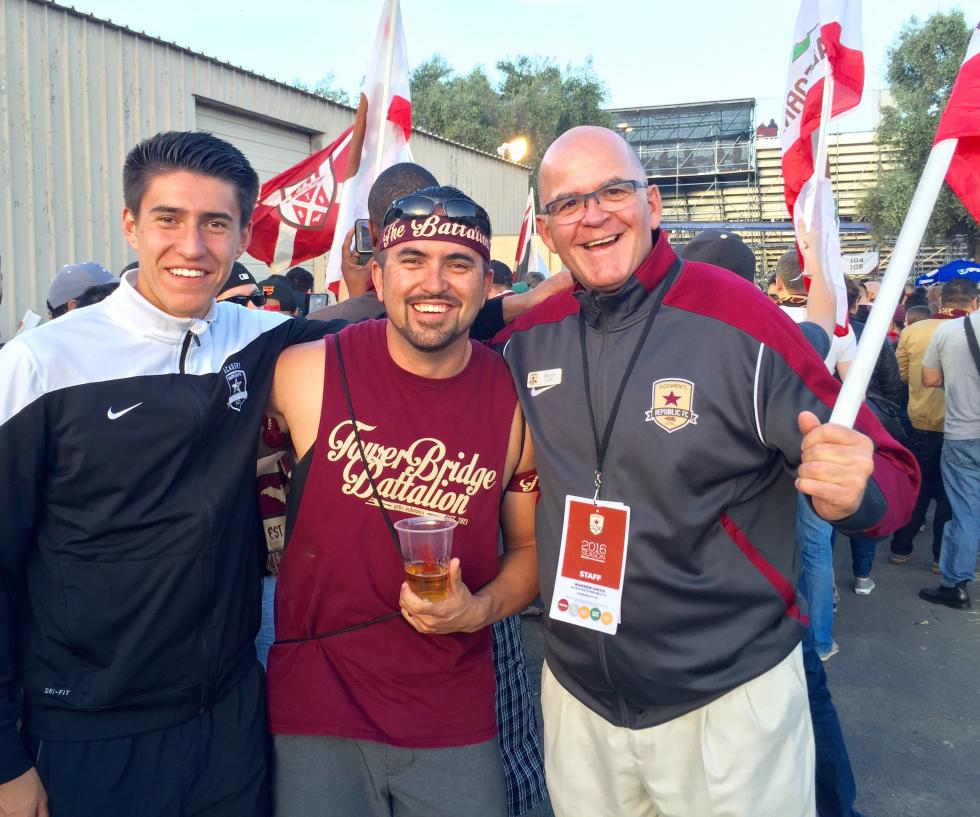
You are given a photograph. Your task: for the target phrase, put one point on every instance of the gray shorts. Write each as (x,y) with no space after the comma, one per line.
(316,776)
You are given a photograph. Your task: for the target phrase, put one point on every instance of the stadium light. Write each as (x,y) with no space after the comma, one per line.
(514,150)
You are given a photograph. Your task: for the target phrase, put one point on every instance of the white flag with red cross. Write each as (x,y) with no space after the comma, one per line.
(384,119)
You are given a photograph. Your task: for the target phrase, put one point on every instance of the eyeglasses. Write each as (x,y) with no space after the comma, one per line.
(418,206)
(258,299)
(610,197)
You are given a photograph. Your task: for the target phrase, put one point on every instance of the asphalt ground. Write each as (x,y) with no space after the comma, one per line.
(906,683)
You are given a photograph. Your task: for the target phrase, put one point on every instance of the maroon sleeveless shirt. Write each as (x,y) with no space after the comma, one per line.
(436,447)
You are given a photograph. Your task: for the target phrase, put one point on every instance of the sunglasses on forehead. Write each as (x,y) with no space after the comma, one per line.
(418,206)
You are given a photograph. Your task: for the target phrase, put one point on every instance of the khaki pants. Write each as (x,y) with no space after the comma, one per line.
(747,754)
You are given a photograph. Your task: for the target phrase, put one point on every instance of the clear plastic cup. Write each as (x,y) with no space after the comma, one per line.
(426,545)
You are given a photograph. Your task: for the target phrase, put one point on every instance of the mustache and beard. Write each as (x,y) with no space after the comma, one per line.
(431,339)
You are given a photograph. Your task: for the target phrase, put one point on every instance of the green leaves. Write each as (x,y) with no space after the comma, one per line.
(922,67)
(533,97)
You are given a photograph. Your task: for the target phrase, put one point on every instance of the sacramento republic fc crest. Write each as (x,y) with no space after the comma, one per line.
(673,404)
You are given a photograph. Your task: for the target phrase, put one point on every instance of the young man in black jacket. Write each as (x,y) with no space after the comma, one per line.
(129,550)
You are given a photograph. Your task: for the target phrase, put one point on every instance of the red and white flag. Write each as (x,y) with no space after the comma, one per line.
(826,51)
(961,121)
(522,258)
(827,39)
(384,122)
(296,214)
(528,257)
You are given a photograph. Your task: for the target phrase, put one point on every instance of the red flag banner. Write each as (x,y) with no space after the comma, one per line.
(826,39)
(826,54)
(961,121)
(296,216)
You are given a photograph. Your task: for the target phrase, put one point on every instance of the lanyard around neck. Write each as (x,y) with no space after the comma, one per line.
(602,445)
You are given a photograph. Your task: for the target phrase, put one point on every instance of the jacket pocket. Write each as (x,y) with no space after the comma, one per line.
(785,588)
(135,625)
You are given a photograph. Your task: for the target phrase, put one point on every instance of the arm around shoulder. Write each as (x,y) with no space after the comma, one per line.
(296,394)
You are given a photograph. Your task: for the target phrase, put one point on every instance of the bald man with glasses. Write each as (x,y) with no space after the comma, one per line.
(675,412)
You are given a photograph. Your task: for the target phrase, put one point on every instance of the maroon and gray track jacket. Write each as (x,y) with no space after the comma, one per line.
(709,596)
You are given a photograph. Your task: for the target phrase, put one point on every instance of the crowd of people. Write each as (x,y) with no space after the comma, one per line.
(205,607)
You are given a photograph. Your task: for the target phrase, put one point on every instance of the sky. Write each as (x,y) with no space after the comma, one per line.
(648,52)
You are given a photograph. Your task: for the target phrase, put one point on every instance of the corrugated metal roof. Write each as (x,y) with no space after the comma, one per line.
(201,55)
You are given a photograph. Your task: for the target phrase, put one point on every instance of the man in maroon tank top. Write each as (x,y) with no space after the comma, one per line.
(381,703)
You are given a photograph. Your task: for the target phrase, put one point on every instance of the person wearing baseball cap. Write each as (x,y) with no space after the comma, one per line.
(70,282)
(399,711)
(241,289)
(279,296)
(723,249)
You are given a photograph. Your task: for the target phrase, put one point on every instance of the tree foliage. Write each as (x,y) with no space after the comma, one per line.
(533,97)
(922,67)
(325,88)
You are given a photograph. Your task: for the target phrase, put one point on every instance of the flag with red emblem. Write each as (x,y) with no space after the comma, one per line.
(296,214)
(383,128)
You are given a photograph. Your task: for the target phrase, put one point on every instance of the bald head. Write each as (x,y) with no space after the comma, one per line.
(576,144)
(602,239)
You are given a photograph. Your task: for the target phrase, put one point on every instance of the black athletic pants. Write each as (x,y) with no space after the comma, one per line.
(213,765)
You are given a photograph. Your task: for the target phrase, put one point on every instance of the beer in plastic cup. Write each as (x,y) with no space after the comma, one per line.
(426,545)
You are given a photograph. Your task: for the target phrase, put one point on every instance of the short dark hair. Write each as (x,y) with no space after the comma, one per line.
(300,279)
(853,291)
(393,183)
(194,152)
(958,292)
(502,276)
(790,274)
(919,312)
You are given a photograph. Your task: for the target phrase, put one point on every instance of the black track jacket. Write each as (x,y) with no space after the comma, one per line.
(129,531)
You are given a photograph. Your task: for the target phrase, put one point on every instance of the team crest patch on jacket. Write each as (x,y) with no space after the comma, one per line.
(673,403)
(237,386)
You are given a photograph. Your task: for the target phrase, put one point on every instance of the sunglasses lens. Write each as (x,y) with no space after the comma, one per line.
(258,300)
(460,208)
(410,207)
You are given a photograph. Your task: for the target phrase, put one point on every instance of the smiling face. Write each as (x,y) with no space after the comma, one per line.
(604,248)
(432,291)
(187,233)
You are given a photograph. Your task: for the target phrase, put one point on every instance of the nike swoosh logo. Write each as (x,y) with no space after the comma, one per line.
(542,389)
(115,415)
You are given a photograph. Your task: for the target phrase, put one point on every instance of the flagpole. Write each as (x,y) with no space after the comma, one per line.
(893,284)
(534,227)
(385,88)
(820,162)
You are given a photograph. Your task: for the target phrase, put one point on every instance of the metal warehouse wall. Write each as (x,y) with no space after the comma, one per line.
(77,92)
